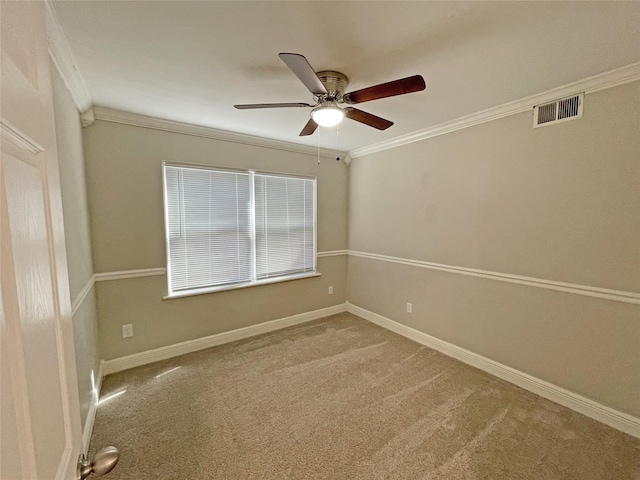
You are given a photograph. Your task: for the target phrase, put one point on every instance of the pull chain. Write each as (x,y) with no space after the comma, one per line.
(318,138)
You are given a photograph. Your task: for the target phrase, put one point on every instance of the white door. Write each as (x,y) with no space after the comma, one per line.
(40,420)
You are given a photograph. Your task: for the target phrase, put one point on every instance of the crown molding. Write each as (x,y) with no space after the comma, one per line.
(127,118)
(602,81)
(87,118)
(62,57)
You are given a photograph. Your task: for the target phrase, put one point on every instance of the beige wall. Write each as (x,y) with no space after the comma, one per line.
(77,238)
(558,203)
(159,322)
(124,177)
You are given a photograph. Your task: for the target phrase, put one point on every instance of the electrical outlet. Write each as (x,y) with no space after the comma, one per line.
(127,330)
(331,290)
(409,308)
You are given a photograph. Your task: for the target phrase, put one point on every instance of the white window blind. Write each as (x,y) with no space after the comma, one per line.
(284,218)
(209,227)
(229,227)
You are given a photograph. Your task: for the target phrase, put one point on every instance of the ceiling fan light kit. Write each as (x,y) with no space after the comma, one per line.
(328,89)
(328,114)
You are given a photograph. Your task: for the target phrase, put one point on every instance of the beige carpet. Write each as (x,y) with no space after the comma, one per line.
(341,398)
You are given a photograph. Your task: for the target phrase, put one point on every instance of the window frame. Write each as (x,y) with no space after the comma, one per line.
(253,282)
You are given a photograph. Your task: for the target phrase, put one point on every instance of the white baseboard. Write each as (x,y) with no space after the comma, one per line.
(162,353)
(592,409)
(91,415)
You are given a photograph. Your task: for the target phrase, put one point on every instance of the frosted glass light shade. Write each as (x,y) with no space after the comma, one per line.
(327,116)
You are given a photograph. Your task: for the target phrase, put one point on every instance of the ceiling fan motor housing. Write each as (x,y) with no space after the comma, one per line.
(335,83)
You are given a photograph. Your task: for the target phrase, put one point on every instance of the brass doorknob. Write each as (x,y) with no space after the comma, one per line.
(103,462)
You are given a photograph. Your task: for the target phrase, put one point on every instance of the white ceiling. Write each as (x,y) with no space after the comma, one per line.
(192,61)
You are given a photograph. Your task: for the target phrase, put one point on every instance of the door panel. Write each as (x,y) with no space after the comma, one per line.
(41,435)
(23,184)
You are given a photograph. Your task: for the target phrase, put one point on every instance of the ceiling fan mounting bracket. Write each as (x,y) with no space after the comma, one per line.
(335,83)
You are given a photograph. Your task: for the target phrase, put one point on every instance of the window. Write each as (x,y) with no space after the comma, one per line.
(230,228)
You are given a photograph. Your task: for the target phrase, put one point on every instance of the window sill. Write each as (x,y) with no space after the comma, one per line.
(237,286)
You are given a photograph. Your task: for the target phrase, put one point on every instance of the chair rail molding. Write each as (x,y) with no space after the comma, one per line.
(151,272)
(586,290)
(82,295)
(143,272)
(573,288)
(332,253)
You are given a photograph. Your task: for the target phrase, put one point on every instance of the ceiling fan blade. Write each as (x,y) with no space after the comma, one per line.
(270,105)
(300,66)
(384,90)
(309,128)
(367,118)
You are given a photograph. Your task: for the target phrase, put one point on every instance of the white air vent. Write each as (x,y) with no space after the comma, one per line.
(558,111)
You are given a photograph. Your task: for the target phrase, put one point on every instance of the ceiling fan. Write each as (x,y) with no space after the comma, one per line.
(328,89)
